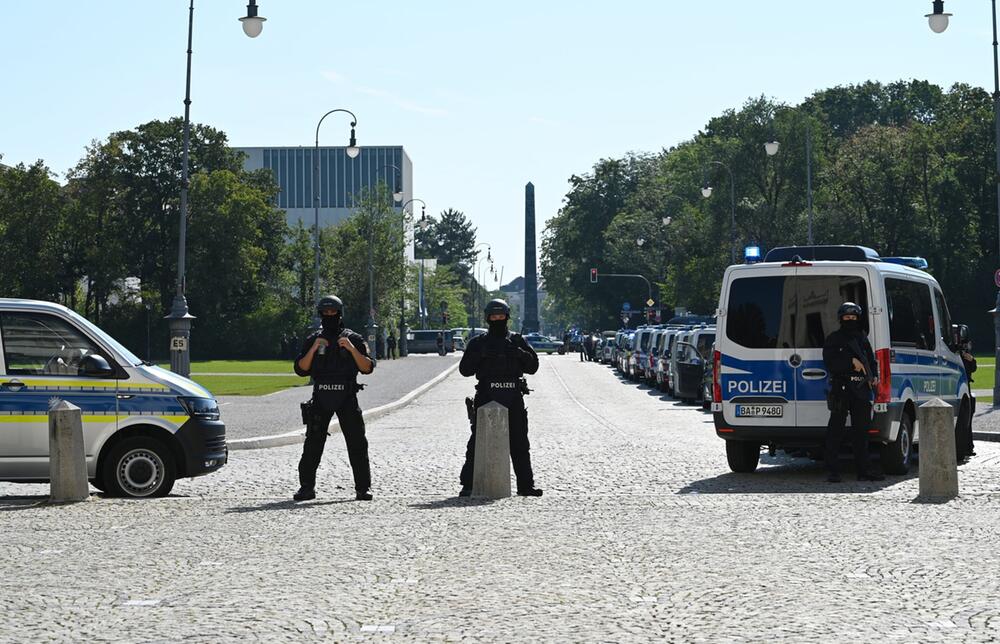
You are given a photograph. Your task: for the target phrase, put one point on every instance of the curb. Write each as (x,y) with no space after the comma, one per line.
(298,435)
(991,437)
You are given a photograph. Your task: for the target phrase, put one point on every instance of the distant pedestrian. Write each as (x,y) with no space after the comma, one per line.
(440,344)
(391,342)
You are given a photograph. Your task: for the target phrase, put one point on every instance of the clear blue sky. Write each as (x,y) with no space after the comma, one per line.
(484,96)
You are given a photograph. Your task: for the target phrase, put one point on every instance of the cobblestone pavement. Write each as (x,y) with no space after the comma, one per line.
(253,416)
(643,534)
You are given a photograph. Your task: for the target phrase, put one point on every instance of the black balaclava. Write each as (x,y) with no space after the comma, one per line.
(851,326)
(497,327)
(332,323)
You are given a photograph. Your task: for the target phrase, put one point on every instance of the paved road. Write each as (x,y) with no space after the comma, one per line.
(642,535)
(254,416)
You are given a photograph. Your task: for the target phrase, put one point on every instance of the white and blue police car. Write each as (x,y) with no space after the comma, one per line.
(143,426)
(769,379)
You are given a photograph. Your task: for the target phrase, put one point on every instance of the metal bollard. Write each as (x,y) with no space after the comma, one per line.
(938,466)
(491,470)
(67,458)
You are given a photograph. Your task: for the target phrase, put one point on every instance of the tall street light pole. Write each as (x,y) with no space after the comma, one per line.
(180,317)
(397,195)
(706,192)
(938,22)
(402,295)
(352,151)
(771,147)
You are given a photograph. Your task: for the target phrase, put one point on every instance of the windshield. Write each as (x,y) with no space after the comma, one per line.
(106,339)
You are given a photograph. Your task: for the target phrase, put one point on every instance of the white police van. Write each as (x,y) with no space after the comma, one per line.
(769,379)
(143,426)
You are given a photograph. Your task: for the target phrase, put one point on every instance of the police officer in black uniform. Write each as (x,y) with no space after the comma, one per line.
(853,376)
(333,357)
(499,359)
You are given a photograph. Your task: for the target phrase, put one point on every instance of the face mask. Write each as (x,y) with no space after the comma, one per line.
(497,327)
(850,325)
(332,323)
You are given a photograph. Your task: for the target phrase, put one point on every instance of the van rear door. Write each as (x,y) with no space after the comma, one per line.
(756,338)
(821,290)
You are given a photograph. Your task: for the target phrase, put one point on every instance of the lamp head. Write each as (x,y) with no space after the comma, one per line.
(252,23)
(771,147)
(706,191)
(938,19)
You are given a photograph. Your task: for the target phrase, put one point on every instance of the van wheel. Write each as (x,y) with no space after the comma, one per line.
(139,467)
(742,456)
(895,456)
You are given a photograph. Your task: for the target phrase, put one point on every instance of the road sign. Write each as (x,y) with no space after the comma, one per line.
(178,343)
(650,302)
(996,278)
(626,307)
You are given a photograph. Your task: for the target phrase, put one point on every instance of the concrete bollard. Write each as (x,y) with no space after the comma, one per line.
(938,466)
(491,471)
(67,457)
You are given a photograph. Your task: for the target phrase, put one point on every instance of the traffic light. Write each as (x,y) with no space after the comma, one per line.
(593,276)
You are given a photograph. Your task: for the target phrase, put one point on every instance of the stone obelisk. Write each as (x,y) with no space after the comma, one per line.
(530,324)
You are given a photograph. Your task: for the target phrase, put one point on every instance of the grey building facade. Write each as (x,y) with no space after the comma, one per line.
(341,179)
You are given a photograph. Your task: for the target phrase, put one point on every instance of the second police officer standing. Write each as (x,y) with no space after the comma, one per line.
(334,356)
(499,359)
(853,376)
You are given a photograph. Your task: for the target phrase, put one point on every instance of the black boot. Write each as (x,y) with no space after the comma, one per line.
(363,495)
(465,491)
(304,494)
(529,491)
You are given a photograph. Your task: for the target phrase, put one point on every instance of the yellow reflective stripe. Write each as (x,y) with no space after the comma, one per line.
(91,384)
(178,420)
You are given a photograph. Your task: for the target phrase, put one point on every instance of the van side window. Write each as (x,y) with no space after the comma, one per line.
(943,318)
(911,318)
(37,344)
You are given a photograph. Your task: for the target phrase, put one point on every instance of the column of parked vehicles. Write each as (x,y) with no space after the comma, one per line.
(758,364)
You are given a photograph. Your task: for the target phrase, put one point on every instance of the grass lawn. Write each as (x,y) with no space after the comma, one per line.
(276,367)
(247,385)
(984,376)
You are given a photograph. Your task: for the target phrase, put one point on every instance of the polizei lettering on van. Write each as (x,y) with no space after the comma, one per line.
(757,386)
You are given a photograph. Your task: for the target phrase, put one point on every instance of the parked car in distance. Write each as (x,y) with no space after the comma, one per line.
(425,341)
(543,343)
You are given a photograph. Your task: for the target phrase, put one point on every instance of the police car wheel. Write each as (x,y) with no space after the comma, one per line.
(139,467)
(896,456)
(743,456)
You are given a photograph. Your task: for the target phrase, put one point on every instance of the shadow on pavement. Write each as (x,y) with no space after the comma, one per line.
(453,502)
(791,476)
(14,503)
(285,505)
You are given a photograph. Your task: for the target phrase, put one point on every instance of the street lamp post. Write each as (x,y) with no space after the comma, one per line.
(402,295)
(475,270)
(771,147)
(352,151)
(938,22)
(180,317)
(397,195)
(706,192)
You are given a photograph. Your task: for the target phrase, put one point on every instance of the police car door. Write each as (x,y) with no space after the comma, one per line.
(41,356)
(757,347)
(821,290)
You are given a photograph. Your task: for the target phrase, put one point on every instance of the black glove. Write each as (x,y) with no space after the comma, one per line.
(513,352)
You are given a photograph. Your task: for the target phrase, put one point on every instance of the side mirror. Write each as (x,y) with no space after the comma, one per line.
(95,366)
(959,334)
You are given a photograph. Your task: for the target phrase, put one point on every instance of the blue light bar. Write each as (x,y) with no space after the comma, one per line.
(912,262)
(751,254)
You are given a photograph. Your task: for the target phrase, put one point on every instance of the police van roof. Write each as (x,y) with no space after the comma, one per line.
(843,253)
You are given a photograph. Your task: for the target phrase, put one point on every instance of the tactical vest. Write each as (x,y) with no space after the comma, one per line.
(336,365)
(498,367)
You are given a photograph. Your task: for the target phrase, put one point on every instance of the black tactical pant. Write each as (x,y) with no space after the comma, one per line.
(352,426)
(519,446)
(861,421)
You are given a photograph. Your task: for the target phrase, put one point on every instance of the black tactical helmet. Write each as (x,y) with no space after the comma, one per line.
(328,302)
(849,308)
(497,306)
